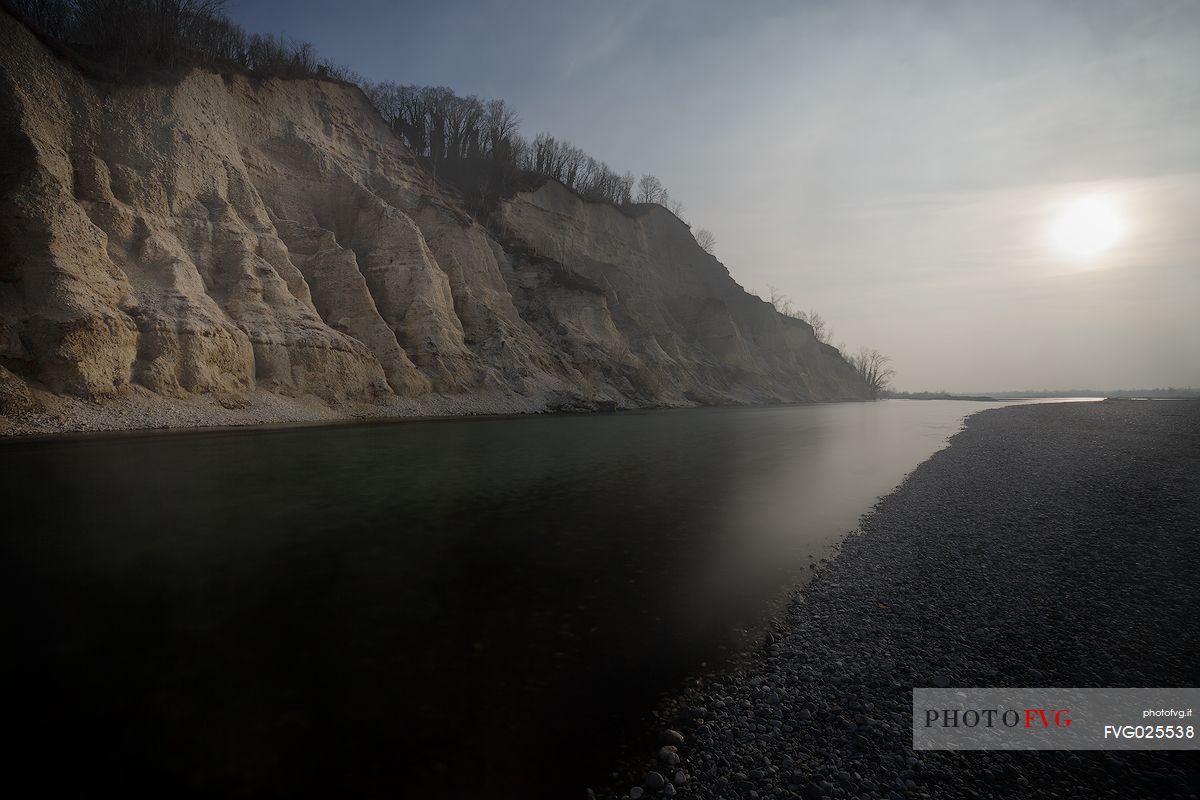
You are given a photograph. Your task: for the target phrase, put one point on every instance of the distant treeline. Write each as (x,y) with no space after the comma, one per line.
(131,38)
(940,395)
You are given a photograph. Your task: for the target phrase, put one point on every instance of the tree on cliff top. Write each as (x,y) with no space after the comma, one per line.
(821,328)
(873,367)
(782,303)
(650,190)
(134,37)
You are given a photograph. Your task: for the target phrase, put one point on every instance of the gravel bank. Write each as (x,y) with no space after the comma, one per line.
(1049,545)
(139,409)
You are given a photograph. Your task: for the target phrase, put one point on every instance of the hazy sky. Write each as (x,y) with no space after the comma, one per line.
(902,167)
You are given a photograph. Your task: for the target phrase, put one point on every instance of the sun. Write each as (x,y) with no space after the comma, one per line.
(1088,227)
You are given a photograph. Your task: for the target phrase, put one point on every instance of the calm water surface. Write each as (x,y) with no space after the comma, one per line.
(486,607)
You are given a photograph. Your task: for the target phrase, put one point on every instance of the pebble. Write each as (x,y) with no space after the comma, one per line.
(671,737)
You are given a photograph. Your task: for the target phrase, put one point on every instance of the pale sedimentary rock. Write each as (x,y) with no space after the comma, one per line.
(224,235)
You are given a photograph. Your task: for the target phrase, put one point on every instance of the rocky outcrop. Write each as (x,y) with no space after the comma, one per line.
(223,235)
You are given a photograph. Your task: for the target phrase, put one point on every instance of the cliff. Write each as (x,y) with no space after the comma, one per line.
(226,242)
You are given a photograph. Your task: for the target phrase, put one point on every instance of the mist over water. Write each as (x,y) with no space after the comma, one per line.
(411,607)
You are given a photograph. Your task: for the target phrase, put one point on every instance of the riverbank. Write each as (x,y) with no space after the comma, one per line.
(1049,545)
(141,410)
(45,415)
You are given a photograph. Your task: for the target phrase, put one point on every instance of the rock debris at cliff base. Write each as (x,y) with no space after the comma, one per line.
(1049,545)
(141,410)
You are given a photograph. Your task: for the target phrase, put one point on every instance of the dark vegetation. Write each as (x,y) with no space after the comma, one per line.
(873,367)
(939,395)
(139,39)
(446,129)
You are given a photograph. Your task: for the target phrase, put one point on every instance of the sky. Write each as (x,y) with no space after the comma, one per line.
(925,175)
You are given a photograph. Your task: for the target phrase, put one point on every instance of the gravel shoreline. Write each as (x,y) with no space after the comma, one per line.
(46,415)
(141,410)
(1049,545)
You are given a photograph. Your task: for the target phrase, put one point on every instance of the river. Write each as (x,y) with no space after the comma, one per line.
(484,607)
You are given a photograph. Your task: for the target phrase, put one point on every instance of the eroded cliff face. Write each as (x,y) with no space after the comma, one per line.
(629,296)
(227,236)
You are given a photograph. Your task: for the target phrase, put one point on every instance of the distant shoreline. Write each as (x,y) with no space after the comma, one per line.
(1169,393)
(943,396)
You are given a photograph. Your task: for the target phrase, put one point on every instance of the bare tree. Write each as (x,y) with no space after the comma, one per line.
(550,156)
(500,131)
(706,240)
(575,166)
(872,367)
(821,328)
(822,331)
(624,189)
(518,149)
(783,304)
(436,102)
(461,120)
(52,17)
(650,190)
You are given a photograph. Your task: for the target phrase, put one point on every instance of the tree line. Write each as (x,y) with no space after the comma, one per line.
(133,37)
(783,304)
(440,125)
